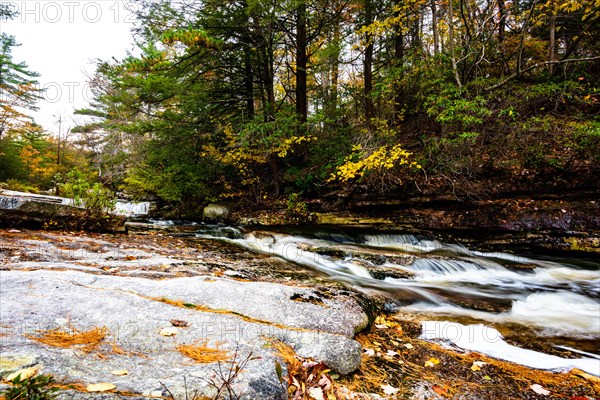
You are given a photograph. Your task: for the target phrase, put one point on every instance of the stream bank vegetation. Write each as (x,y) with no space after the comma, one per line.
(254,102)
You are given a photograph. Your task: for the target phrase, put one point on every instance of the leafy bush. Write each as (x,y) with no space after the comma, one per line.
(13,184)
(97,201)
(297,212)
(38,387)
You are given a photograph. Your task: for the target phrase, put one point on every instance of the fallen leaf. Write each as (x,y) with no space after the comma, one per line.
(180,323)
(100,387)
(391,353)
(130,258)
(585,375)
(442,391)
(120,372)
(309,364)
(381,326)
(432,362)
(408,346)
(539,389)
(316,393)
(169,331)
(369,352)
(477,365)
(487,378)
(389,390)
(325,383)
(25,373)
(279,371)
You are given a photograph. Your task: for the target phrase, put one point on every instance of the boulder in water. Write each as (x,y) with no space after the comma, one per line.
(216,212)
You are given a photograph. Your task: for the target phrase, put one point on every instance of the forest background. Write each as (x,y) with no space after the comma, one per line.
(254,101)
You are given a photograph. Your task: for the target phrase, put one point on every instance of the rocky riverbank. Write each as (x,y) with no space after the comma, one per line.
(171,315)
(547,223)
(135,287)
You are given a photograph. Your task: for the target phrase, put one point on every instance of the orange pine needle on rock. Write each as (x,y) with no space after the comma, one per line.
(88,340)
(201,353)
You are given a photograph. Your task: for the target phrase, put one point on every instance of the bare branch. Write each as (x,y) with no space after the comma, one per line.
(534,66)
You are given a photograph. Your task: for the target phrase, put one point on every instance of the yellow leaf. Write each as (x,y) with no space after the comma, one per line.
(432,362)
(23,373)
(120,372)
(100,387)
(585,375)
(477,365)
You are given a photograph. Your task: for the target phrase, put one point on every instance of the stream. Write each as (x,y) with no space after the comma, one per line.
(464,298)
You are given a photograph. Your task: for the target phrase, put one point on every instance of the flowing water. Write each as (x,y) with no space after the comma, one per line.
(553,297)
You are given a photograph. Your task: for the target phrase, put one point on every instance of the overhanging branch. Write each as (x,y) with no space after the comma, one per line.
(534,66)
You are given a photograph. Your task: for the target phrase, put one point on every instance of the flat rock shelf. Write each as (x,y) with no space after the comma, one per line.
(57,282)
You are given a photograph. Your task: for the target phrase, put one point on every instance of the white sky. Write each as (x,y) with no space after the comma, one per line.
(60,40)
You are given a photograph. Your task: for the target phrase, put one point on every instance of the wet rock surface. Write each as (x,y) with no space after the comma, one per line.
(135,286)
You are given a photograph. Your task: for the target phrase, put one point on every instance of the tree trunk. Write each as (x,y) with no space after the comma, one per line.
(434,27)
(368,66)
(274,167)
(301,63)
(248,83)
(399,63)
(451,43)
(552,41)
(332,91)
(502,20)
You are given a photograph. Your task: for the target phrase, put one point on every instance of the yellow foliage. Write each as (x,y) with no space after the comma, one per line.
(286,145)
(244,157)
(384,158)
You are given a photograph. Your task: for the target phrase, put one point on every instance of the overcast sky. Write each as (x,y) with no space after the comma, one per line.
(60,40)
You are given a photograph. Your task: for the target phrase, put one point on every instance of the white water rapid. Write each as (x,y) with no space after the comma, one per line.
(552,296)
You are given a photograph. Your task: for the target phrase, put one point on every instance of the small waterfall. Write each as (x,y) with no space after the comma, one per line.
(446,267)
(219,232)
(290,248)
(386,240)
(123,207)
(443,278)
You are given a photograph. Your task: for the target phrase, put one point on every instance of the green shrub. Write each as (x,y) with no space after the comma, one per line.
(297,212)
(38,387)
